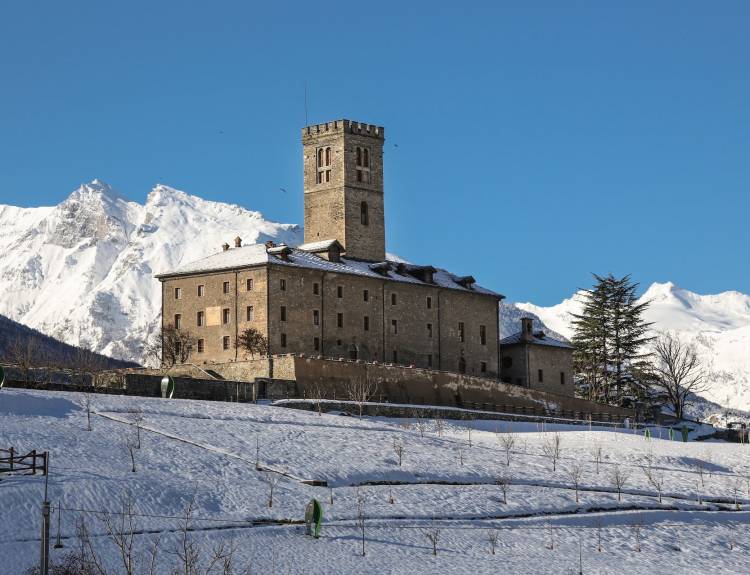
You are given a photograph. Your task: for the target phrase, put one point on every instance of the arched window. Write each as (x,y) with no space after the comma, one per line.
(328,156)
(364,215)
(320,157)
(324,165)
(363,164)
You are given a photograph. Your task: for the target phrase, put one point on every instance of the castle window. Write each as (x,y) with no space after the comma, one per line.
(362,157)
(177,320)
(199,319)
(225,315)
(283,340)
(282,284)
(429,302)
(283,313)
(562,378)
(316,288)
(340,320)
(366,323)
(340,291)
(177,293)
(363,214)
(429,330)
(249,313)
(225,342)
(225,287)
(393,299)
(483,367)
(324,165)
(541,376)
(461,365)
(394,327)
(366,295)
(461,334)
(483,334)
(316,343)
(201,290)
(249,284)
(201,345)
(316,317)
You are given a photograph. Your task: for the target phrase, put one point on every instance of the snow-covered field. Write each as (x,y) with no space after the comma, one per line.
(448,481)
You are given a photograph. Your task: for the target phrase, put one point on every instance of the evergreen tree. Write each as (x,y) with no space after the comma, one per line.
(610,336)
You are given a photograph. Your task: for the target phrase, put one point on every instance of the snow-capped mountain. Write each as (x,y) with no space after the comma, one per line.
(718,325)
(83,271)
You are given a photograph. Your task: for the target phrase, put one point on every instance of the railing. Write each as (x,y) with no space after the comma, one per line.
(27,464)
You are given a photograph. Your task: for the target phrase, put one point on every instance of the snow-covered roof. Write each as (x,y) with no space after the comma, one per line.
(319,246)
(538,339)
(257,254)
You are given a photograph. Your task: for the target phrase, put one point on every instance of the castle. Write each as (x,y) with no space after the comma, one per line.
(337,295)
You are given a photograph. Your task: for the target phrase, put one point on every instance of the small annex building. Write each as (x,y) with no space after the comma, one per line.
(535,360)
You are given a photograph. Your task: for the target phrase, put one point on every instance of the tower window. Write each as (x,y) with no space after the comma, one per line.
(324,165)
(316,317)
(340,320)
(201,345)
(226,287)
(177,293)
(366,323)
(283,340)
(429,330)
(362,164)
(483,334)
(283,313)
(250,313)
(394,326)
(282,284)
(225,315)
(366,295)
(177,320)
(316,288)
(199,319)
(225,342)
(339,291)
(429,302)
(393,299)
(364,216)
(201,290)
(249,284)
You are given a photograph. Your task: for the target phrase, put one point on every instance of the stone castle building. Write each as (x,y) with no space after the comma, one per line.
(337,295)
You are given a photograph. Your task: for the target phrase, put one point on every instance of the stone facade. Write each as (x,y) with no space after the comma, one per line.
(320,313)
(343,182)
(536,361)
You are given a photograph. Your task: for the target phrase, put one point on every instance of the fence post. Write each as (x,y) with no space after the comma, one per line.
(11,459)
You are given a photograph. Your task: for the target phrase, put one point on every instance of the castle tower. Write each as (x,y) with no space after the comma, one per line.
(343,172)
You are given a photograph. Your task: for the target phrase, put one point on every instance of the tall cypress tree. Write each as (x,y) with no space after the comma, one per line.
(610,336)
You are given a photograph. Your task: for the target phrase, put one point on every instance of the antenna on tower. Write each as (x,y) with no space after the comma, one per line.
(306,123)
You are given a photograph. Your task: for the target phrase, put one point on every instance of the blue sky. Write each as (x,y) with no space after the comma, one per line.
(528,143)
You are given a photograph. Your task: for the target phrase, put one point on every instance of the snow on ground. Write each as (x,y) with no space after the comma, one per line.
(207,451)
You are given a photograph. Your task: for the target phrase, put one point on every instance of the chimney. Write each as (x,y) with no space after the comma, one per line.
(225,247)
(527,329)
(238,242)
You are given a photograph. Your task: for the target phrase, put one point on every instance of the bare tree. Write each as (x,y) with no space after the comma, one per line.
(361,390)
(433,535)
(439,425)
(271,479)
(619,477)
(130,444)
(170,346)
(552,448)
(87,405)
(678,372)
(637,527)
(252,341)
(23,352)
(361,500)
(398,448)
(492,537)
(189,553)
(575,472)
(507,442)
(655,479)
(596,453)
(504,483)
(316,390)
(137,418)
(468,429)
(461,455)
(419,422)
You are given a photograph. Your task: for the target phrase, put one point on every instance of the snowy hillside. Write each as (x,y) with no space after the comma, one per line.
(83,271)
(682,520)
(718,325)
